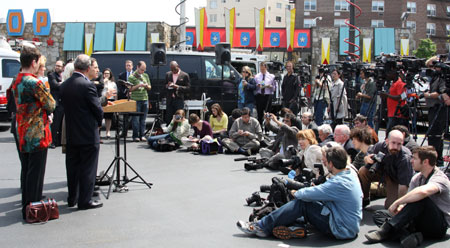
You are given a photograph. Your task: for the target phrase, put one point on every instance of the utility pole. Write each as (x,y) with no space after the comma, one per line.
(351,35)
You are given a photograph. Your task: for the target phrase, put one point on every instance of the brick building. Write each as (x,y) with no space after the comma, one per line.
(428,18)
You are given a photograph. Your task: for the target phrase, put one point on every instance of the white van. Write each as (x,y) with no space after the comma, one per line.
(9,67)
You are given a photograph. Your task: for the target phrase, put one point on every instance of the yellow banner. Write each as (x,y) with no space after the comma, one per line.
(325,51)
(120,44)
(367,50)
(290,29)
(259,28)
(88,43)
(404,47)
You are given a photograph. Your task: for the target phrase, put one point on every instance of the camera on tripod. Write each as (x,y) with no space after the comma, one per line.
(378,158)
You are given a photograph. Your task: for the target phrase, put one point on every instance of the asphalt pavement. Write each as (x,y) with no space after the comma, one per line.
(195,201)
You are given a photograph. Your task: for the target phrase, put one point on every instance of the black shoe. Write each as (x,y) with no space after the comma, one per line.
(52,146)
(95,193)
(71,204)
(90,205)
(381,234)
(96,188)
(412,240)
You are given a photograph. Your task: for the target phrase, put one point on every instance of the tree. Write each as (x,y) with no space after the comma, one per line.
(426,49)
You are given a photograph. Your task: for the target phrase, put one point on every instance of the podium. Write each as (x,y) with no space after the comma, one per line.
(121,107)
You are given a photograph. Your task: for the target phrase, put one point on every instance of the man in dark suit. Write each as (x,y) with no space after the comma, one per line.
(83,118)
(122,93)
(55,80)
(178,85)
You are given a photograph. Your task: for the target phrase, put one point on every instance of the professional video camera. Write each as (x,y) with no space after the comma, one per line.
(295,161)
(307,178)
(254,163)
(378,158)
(304,73)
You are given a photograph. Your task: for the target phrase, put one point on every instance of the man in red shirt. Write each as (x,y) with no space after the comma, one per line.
(395,99)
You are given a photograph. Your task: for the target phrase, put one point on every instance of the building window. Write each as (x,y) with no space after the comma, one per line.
(447,29)
(238,14)
(447,45)
(310,5)
(278,18)
(212,18)
(431,29)
(377,6)
(341,5)
(279,6)
(213,4)
(448,11)
(224,1)
(411,24)
(411,7)
(237,1)
(377,24)
(309,23)
(339,23)
(431,9)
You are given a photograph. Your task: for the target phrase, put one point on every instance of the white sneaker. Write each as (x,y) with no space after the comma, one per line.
(251,228)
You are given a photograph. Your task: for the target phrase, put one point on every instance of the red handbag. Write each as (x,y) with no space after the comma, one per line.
(42,211)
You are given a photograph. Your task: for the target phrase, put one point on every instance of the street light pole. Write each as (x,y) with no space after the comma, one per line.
(351,36)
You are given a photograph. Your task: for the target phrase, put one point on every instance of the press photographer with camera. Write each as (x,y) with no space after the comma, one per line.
(368,92)
(286,136)
(395,98)
(424,212)
(438,111)
(321,96)
(333,207)
(177,129)
(388,161)
(290,88)
(339,98)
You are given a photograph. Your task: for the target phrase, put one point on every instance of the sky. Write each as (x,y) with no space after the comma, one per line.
(105,11)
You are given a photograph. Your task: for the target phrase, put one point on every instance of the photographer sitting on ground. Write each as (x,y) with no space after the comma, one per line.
(286,136)
(309,153)
(425,208)
(245,135)
(333,207)
(218,121)
(178,128)
(408,142)
(393,168)
(325,134)
(342,136)
(202,131)
(362,140)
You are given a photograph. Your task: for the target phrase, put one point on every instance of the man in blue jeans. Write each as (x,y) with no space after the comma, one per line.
(334,207)
(141,84)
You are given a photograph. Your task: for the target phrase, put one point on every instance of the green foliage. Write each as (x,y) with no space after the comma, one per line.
(426,49)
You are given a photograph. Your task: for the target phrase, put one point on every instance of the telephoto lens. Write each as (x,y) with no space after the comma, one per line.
(264,188)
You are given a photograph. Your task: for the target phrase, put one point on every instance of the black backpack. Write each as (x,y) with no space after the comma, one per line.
(164,145)
(279,194)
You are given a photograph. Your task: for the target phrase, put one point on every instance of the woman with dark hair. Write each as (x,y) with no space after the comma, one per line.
(202,131)
(339,98)
(362,139)
(177,129)
(218,121)
(109,86)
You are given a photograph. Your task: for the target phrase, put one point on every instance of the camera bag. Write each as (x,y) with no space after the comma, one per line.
(278,192)
(259,213)
(42,211)
(209,147)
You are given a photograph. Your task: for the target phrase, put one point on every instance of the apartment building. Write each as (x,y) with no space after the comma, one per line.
(428,18)
(245,9)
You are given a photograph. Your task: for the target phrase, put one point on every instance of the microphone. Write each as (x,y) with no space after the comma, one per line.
(123,82)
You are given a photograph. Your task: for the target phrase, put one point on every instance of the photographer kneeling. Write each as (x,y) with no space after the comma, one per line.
(333,207)
(425,209)
(388,161)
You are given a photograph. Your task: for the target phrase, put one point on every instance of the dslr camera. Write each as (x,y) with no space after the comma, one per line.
(177,117)
(378,158)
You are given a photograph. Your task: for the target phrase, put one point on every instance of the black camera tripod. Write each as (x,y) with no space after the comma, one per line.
(158,121)
(115,164)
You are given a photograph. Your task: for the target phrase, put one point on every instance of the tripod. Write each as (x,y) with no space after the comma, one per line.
(115,165)
(158,118)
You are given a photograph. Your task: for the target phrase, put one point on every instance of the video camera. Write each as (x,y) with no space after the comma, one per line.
(307,178)
(254,163)
(304,73)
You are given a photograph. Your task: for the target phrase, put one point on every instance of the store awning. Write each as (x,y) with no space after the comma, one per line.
(136,38)
(74,37)
(104,36)
(384,40)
